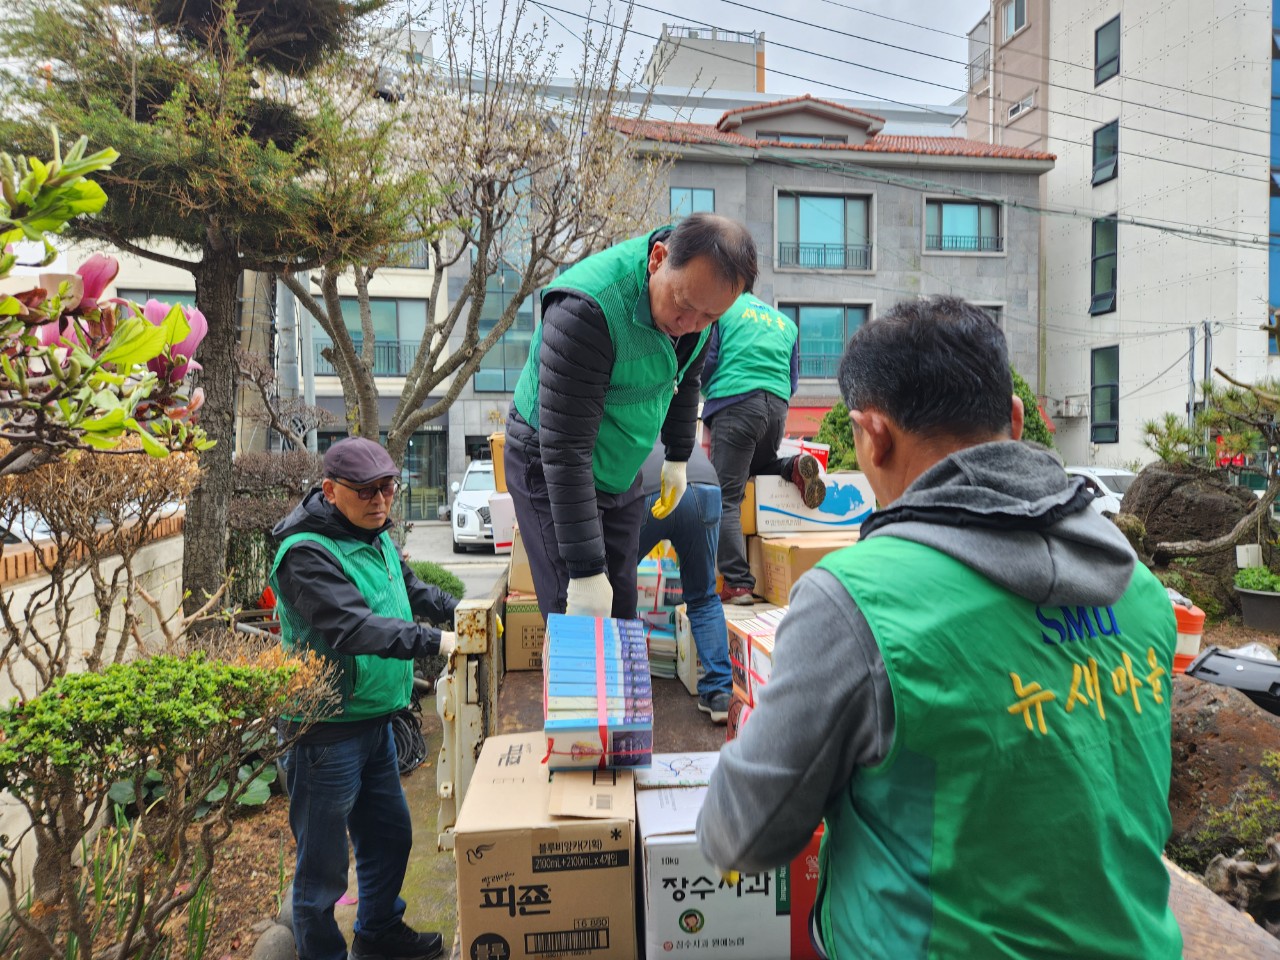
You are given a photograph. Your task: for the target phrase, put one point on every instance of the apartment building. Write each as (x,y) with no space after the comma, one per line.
(1157,239)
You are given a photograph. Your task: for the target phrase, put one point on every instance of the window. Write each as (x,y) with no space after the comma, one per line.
(423,470)
(398,327)
(959,226)
(1103,286)
(824,330)
(164,296)
(500,368)
(1106,51)
(812,139)
(1015,17)
(994,311)
(687,200)
(476,447)
(1022,106)
(1106,152)
(1104,395)
(824,231)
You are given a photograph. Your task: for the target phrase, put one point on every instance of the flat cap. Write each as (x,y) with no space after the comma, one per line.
(359,460)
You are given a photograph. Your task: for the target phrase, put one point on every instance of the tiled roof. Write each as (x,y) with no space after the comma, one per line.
(803,98)
(666,131)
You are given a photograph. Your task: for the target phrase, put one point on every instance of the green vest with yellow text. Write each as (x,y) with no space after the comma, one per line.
(645,375)
(1023,807)
(369,686)
(756,342)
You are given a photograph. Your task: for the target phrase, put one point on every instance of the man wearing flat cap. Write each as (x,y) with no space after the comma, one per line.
(345,593)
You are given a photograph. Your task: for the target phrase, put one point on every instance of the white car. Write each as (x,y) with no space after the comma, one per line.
(1107,484)
(472,525)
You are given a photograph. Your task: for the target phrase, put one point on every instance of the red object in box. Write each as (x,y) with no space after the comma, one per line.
(804,893)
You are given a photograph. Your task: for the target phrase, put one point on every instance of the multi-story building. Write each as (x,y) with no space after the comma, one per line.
(705,58)
(1153,220)
(849,219)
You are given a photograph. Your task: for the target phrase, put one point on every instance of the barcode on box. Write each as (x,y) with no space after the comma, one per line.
(564,941)
(604,801)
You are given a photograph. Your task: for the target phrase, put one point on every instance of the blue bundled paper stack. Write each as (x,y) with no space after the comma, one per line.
(597,697)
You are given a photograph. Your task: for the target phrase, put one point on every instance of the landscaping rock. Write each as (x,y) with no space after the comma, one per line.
(275,944)
(1225,791)
(286,907)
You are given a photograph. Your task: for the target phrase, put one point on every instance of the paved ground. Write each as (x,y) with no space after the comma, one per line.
(478,569)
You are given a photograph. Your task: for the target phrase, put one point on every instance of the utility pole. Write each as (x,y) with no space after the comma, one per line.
(1191,377)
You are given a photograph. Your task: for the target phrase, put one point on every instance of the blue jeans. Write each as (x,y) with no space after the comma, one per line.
(352,786)
(694,530)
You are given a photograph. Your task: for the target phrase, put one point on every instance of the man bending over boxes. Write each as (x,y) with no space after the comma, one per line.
(693,529)
(751,371)
(975,697)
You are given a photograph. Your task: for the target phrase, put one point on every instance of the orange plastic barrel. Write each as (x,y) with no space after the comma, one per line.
(1190,628)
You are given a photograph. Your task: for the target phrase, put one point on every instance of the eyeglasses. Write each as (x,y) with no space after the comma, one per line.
(388,489)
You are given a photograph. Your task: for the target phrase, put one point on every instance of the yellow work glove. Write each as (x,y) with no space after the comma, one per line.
(500,626)
(673,487)
(589,597)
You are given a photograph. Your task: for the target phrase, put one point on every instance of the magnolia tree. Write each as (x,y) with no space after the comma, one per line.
(78,371)
(515,182)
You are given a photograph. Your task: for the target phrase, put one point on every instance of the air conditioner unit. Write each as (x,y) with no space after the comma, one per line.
(1073,407)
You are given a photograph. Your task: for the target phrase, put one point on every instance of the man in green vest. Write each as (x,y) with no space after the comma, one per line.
(615,364)
(345,593)
(975,698)
(751,371)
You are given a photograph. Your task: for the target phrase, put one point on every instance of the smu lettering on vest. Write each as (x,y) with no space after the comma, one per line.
(645,375)
(755,351)
(368,686)
(1025,794)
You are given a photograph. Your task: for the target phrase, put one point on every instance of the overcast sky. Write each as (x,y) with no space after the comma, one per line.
(814,35)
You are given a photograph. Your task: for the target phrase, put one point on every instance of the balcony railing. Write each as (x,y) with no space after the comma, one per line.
(823,365)
(963,243)
(824,256)
(414,255)
(391,358)
(979,68)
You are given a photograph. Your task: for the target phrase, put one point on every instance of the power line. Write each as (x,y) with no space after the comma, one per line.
(862,93)
(1041,56)
(1185,353)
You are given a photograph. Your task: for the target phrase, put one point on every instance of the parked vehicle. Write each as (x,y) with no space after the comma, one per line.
(1108,485)
(472,525)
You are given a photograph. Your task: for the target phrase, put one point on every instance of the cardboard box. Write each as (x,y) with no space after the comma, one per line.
(497,445)
(743,636)
(748,509)
(780,510)
(688,665)
(786,559)
(690,911)
(502,513)
(739,711)
(755,561)
(790,447)
(520,577)
(524,631)
(760,669)
(545,867)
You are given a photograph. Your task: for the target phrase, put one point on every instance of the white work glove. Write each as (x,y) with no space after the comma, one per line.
(589,597)
(674,485)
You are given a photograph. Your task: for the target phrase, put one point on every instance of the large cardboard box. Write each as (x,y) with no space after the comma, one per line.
(502,513)
(786,559)
(520,577)
(524,632)
(755,560)
(779,509)
(744,635)
(545,866)
(691,911)
(497,444)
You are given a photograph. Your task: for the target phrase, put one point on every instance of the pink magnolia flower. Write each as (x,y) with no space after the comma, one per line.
(97,272)
(178,361)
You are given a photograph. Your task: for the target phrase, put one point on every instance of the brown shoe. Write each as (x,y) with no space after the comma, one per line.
(806,474)
(738,596)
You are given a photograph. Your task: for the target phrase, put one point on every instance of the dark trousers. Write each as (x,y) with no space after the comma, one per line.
(620,516)
(335,789)
(744,442)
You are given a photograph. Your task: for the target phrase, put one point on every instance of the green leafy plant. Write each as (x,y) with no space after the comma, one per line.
(1257,578)
(430,572)
(1033,426)
(191,719)
(836,431)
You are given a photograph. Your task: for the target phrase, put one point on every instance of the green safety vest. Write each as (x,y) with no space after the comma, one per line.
(369,686)
(645,376)
(756,342)
(1023,807)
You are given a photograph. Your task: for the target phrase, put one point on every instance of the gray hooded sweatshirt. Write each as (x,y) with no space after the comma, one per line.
(1008,511)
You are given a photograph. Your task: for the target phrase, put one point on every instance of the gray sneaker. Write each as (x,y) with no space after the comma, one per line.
(717,705)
